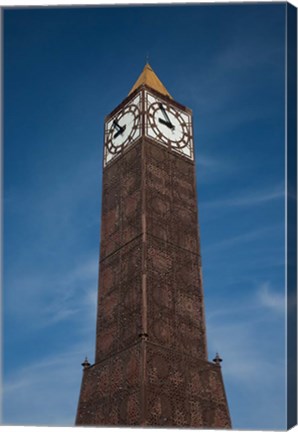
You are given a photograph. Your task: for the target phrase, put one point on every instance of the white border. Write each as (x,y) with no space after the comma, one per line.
(132,2)
(55,3)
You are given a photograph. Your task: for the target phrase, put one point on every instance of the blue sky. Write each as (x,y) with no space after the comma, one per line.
(64,70)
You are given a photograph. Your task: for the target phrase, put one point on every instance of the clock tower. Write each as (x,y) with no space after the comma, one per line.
(151,366)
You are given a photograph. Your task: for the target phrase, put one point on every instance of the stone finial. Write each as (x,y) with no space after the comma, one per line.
(217,360)
(85,363)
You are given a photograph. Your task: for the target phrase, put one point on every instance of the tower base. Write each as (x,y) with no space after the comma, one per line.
(148,385)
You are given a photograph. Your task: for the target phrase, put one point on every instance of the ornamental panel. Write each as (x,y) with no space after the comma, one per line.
(119,314)
(187,271)
(110,393)
(161,231)
(182,168)
(159,409)
(159,257)
(109,275)
(181,389)
(174,298)
(189,305)
(158,179)
(190,337)
(121,202)
(161,292)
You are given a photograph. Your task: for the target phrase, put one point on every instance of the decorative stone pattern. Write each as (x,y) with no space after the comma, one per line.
(175,297)
(184,391)
(121,202)
(111,389)
(119,300)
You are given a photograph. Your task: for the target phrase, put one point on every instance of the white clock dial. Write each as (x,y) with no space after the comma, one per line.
(122,129)
(169,125)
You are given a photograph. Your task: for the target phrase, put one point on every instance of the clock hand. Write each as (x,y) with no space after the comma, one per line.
(120,129)
(116,125)
(165,114)
(167,121)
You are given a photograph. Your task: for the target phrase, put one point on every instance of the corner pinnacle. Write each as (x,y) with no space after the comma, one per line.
(85,363)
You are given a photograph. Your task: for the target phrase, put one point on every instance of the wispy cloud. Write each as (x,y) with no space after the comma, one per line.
(51,383)
(57,211)
(210,169)
(270,299)
(50,292)
(248,198)
(54,298)
(209,162)
(261,299)
(226,78)
(240,346)
(241,331)
(246,237)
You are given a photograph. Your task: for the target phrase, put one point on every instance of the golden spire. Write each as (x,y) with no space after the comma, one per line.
(149,78)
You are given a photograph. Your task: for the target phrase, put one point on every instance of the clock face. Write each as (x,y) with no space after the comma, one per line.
(169,125)
(122,129)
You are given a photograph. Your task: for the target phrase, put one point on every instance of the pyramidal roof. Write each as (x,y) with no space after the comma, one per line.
(149,78)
